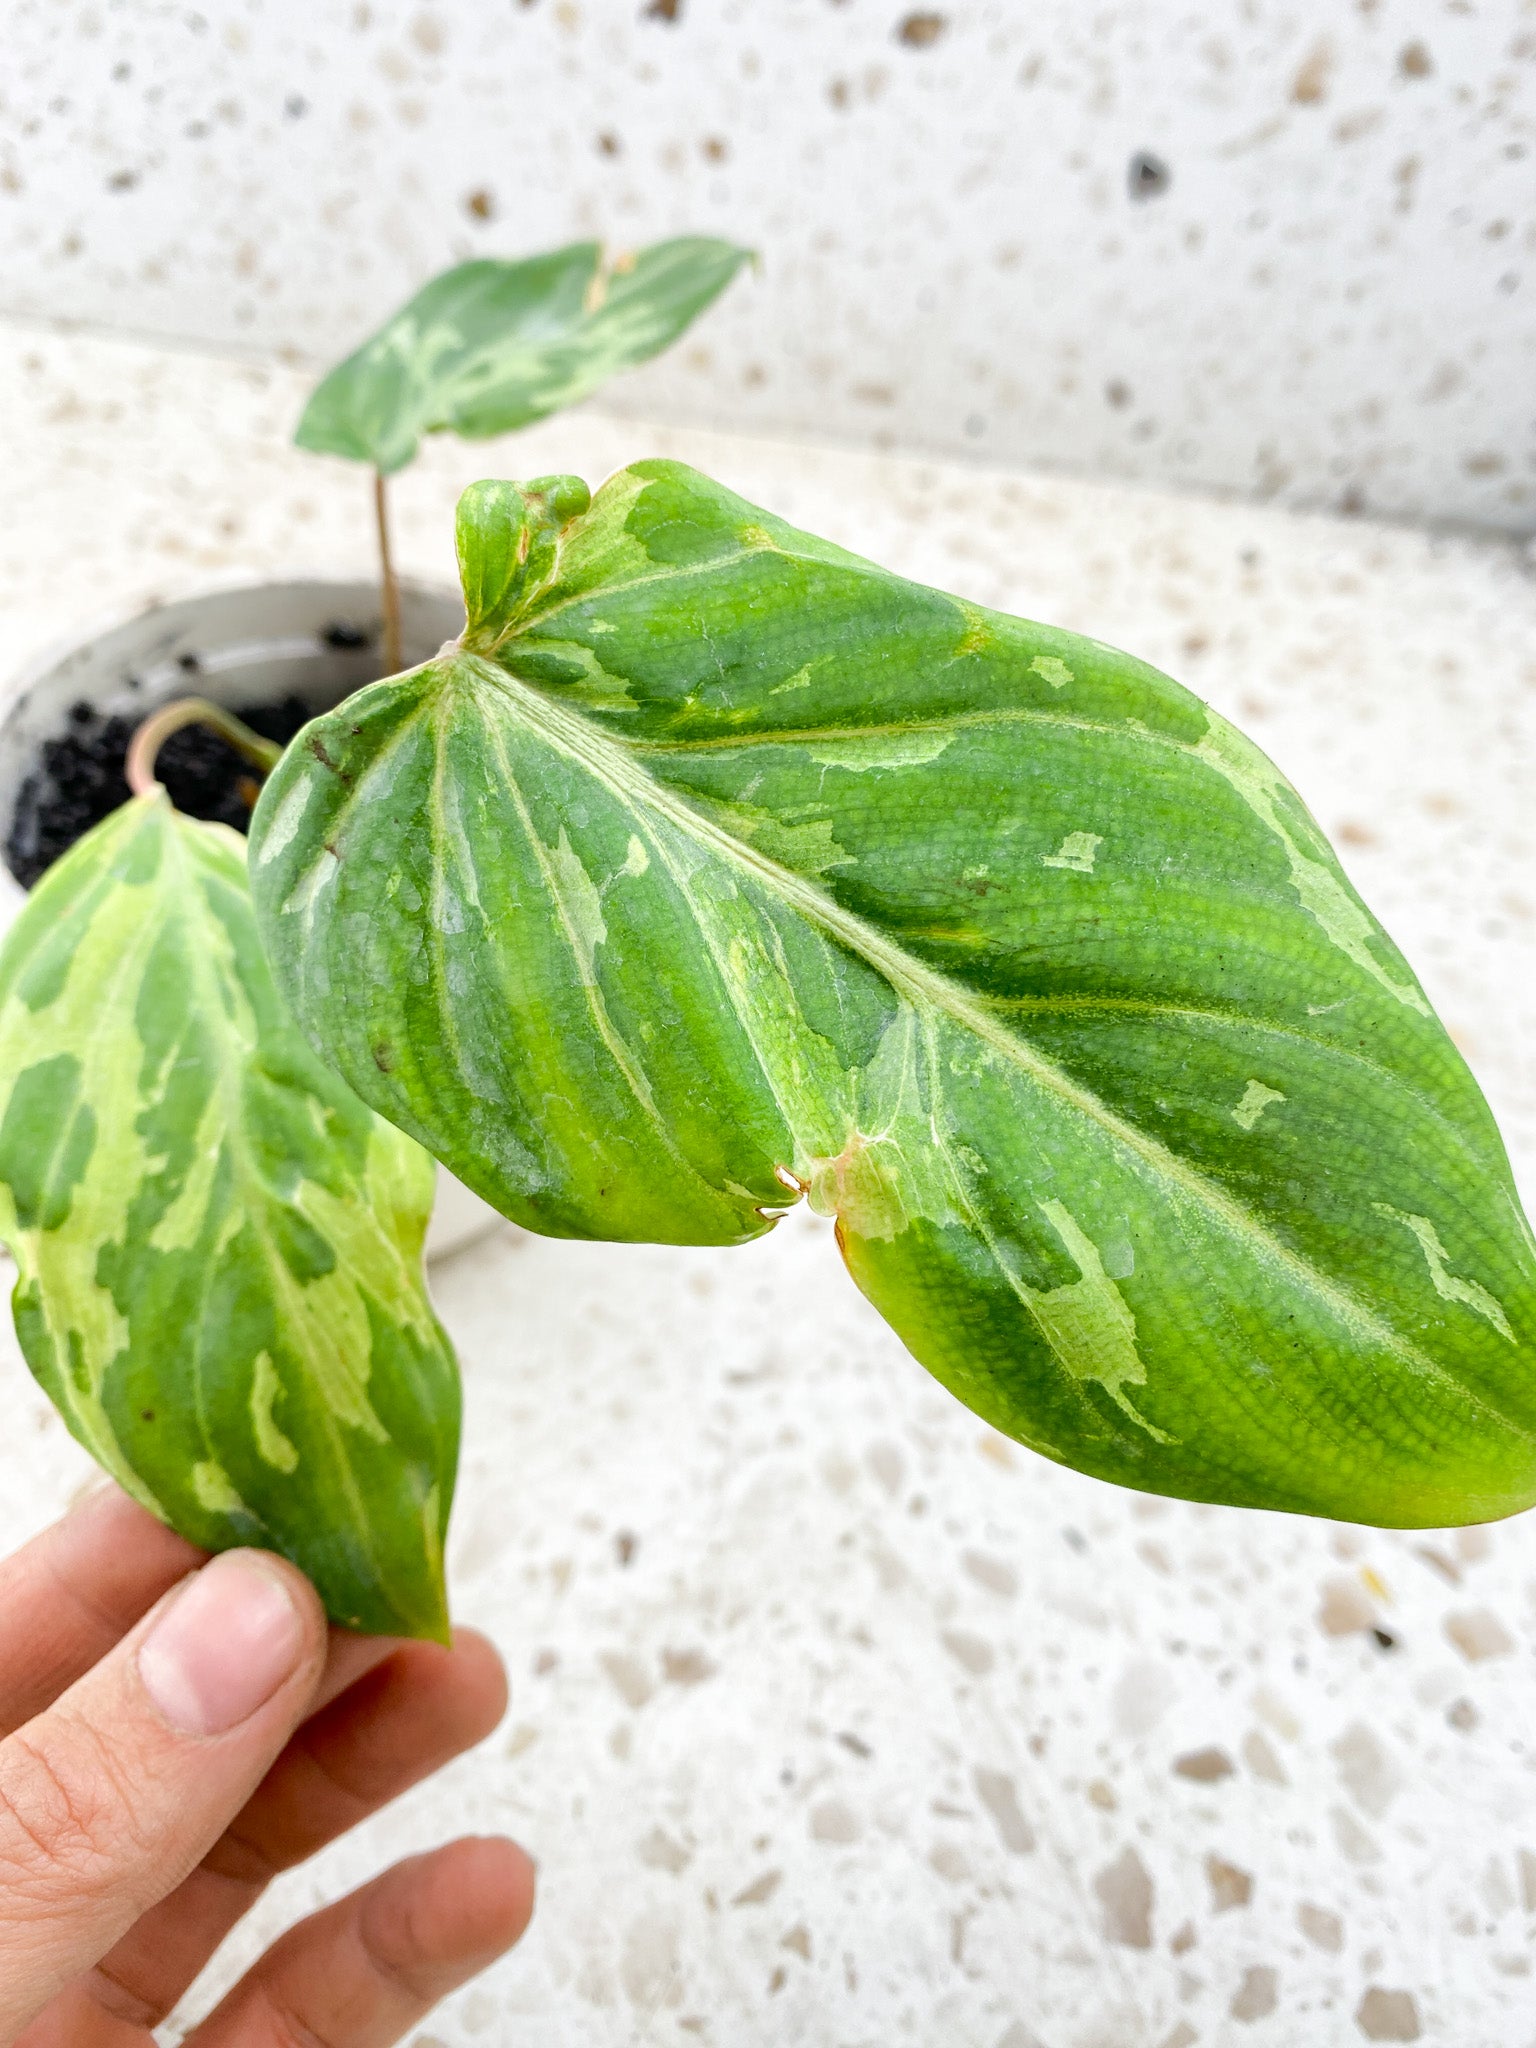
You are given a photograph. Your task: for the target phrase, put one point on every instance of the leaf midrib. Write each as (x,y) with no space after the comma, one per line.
(612,762)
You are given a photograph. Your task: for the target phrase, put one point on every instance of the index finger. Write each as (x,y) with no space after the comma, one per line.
(72,1593)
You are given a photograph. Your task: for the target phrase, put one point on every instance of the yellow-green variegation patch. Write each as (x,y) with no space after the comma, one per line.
(218,1245)
(718,865)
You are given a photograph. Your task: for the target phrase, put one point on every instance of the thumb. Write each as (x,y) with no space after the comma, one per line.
(117,1791)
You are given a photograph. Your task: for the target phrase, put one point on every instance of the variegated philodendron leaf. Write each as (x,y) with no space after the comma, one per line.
(490,346)
(219,1247)
(718,864)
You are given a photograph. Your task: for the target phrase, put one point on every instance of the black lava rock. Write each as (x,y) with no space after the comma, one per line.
(79,779)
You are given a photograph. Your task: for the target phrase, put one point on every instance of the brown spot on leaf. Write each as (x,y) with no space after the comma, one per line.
(317,748)
(383,1056)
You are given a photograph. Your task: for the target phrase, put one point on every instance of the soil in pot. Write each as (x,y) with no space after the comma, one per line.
(79,779)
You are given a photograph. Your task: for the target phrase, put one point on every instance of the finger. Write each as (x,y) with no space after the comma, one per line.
(113,1794)
(74,1591)
(362,1973)
(396,1725)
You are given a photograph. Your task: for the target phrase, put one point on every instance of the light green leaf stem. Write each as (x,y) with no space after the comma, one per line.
(490,345)
(744,868)
(218,1246)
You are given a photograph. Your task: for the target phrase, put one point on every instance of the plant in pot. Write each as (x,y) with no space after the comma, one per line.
(711,867)
(486,347)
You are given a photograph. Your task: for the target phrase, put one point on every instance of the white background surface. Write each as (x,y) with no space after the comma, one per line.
(747,1759)
(1332,302)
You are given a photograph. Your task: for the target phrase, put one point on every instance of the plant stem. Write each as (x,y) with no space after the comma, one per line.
(393,659)
(158,727)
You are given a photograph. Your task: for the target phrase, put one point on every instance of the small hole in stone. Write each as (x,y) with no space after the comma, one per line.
(1147,176)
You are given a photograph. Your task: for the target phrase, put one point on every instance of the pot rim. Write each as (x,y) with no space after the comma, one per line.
(16,682)
(459,1218)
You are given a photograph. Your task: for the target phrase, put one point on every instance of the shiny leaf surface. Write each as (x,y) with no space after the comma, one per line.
(490,345)
(218,1245)
(719,864)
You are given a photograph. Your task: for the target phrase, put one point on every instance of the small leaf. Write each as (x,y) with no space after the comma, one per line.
(747,868)
(218,1246)
(489,345)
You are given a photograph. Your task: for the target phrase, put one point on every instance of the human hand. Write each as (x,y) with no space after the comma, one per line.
(168,1743)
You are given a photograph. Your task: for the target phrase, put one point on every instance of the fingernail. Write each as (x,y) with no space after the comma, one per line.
(228,1640)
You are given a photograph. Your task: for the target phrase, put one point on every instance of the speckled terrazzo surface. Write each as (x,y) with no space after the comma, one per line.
(1284,250)
(837,1720)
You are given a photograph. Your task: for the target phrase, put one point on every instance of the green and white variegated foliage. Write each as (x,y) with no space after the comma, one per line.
(718,864)
(490,346)
(218,1245)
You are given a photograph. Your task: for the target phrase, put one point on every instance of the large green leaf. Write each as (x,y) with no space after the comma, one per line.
(719,863)
(490,346)
(218,1246)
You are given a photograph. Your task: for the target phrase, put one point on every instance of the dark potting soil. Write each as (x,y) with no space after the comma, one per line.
(79,779)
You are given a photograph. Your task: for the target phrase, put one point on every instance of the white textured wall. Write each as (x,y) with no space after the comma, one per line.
(1331,302)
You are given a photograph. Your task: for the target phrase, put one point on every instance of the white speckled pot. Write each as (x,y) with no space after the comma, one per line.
(237,646)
